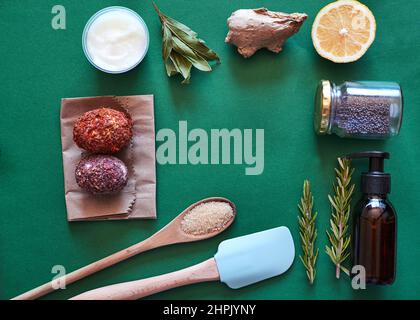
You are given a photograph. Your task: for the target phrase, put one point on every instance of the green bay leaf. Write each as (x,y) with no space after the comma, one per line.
(170,68)
(178,25)
(182,65)
(196,60)
(195,44)
(167,42)
(182,49)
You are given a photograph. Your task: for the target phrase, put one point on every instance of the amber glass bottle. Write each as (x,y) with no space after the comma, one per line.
(374,238)
(375,223)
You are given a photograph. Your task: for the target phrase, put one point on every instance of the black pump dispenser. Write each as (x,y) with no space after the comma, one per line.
(375,223)
(375,181)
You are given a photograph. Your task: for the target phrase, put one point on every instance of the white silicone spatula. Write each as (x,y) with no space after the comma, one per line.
(238,262)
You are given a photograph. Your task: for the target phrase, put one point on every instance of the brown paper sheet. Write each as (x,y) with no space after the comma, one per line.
(138,199)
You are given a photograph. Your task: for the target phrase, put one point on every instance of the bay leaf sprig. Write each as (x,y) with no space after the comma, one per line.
(308,232)
(182,49)
(338,236)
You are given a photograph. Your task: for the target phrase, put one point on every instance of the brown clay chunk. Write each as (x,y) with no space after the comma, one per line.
(103,130)
(253,29)
(101,174)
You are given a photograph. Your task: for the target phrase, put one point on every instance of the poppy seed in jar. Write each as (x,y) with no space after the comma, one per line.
(364,115)
(101,174)
(103,130)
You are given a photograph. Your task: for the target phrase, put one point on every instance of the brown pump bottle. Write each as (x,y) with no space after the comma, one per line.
(375,223)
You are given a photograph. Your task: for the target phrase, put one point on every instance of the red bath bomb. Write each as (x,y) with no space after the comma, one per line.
(103,130)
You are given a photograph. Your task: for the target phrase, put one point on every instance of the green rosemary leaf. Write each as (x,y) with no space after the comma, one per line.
(330,252)
(304,262)
(345,270)
(344,258)
(308,232)
(333,201)
(346,243)
(183,48)
(332,240)
(339,239)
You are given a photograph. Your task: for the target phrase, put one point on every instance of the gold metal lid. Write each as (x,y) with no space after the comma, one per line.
(322,107)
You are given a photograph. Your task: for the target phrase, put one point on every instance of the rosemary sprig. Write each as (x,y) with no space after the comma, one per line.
(182,49)
(338,235)
(308,232)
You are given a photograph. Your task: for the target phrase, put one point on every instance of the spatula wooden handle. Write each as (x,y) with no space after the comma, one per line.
(202,272)
(90,269)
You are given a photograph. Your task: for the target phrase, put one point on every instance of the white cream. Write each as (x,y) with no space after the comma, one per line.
(116,40)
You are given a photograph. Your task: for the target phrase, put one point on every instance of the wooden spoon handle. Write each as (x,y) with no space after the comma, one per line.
(81,273)
(202,272)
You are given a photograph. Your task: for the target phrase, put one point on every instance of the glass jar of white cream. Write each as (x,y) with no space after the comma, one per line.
(115,39)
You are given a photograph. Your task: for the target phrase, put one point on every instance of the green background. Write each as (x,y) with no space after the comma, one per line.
(40,65)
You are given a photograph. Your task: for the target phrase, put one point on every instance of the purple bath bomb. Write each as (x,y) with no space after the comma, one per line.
(101,174)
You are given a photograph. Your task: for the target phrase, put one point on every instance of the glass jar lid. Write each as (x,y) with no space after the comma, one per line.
(322,107)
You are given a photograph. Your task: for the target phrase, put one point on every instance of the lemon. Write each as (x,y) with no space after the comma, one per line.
(343,31)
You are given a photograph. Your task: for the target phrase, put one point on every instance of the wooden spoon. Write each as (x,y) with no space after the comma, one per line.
(170,234)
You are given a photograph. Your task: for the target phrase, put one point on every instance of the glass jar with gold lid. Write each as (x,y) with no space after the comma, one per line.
(359,109)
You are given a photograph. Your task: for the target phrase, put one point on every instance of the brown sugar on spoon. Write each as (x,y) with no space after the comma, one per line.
(207,217)
(103,130)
